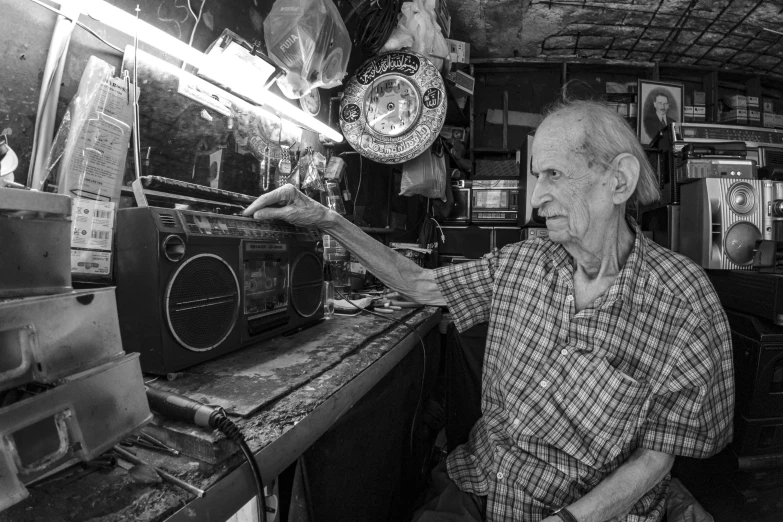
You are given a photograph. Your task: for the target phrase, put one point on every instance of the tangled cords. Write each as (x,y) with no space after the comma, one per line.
(375,23)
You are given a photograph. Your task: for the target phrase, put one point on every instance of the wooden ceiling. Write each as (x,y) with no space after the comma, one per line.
(742,35)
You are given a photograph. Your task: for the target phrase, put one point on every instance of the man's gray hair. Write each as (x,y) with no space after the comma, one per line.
(607,134)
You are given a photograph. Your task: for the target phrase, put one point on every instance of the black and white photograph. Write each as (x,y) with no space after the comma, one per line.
(659,104)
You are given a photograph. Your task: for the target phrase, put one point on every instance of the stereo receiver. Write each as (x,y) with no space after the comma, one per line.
(194,285)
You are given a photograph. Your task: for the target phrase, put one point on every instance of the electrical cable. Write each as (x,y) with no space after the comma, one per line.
(423,353)
(181,408)
(375,24)
(96,35)
(356,197)
(195,25)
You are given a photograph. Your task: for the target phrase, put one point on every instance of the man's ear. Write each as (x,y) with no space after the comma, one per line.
(626,176)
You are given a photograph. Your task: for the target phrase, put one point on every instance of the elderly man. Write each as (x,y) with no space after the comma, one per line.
(607,355)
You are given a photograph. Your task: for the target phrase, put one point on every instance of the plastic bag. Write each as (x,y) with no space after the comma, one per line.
(417,29)
(425,175)
(309,40)
(313,168)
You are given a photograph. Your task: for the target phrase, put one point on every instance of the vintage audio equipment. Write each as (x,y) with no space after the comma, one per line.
(394,107)
(35,234)
(532,232)
(761,142)
(720,222)
(758,436)
(773,209)
(664,223)
(753,293)
(460,208)
(192,285)
(758,366)
(471,241)
(494,201)
(503,236)
(697,168)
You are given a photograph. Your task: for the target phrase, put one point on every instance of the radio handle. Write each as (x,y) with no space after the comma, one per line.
(138,193)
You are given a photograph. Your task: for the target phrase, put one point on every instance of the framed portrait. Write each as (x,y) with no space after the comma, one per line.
(660,103)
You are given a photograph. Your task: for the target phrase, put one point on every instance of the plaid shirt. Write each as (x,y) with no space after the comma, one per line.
(567,397)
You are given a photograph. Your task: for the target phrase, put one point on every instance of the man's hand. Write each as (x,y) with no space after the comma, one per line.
(286,203)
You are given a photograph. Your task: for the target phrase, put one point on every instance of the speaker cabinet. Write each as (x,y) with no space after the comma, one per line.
(720,222)
(758,366)
(471,242)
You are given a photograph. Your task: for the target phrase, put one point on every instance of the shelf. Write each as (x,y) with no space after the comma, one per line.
(491,149)
(377,230)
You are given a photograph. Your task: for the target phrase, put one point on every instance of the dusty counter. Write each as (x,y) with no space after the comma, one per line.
(292,390)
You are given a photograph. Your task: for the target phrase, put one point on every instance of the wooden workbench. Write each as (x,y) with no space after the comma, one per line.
(326,389)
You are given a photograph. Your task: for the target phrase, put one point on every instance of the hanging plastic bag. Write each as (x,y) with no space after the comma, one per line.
(417,29)
(313,172)
(425,175)
(309,40)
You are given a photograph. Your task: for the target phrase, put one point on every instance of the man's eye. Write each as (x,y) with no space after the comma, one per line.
(555,174)
(535,174)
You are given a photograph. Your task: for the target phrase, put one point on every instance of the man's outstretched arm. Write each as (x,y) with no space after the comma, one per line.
(619,491)
(397,272)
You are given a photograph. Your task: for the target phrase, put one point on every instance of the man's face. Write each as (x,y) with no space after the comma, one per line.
(574,195)
(661,105)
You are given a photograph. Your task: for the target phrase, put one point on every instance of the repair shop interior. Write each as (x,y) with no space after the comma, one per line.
(391,260)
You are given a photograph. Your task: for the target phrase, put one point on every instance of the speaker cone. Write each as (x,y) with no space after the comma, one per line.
(741,198)
(741,241)
(202,300)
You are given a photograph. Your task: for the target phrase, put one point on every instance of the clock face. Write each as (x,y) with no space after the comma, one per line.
(391,105)
(311,102)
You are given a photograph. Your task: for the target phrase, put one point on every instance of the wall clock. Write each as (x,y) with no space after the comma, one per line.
(394,107)
(311,102)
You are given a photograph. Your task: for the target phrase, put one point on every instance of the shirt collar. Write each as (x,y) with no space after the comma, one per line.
(631,275)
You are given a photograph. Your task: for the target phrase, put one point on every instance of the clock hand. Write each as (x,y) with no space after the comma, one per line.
(382,116)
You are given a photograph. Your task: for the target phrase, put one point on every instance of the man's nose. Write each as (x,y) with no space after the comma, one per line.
(540,192)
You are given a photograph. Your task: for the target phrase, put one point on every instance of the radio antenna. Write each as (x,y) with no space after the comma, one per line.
(136,138)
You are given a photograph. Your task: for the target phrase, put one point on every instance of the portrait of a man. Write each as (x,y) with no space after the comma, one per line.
(660,104)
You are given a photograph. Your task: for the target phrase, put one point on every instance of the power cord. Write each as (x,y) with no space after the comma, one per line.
(423,352)
(96,35)
(375,24)
(181,408)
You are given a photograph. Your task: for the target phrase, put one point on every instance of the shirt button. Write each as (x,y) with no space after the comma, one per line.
(516,423)
(544,383)
(569,298)
(563,352)
(500,475)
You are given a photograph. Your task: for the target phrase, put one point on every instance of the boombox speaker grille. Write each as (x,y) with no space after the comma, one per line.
(741,242)
(202,300)
(306,284)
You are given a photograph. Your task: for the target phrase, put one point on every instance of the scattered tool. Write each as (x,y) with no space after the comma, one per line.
(125,454)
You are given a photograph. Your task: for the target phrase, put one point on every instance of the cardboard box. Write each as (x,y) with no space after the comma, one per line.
(768,105)
(738,101)
(769,119)
(699,113)
(735,116)
(779,120)
(688,113)
(464,81)
(459,51)
(632,110)
(699,97)
(754,116)
(753,102)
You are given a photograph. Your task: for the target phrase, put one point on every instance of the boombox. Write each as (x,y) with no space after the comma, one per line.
(193,285)
(720,221)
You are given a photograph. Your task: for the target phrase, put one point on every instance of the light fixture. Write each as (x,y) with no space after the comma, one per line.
(128,24)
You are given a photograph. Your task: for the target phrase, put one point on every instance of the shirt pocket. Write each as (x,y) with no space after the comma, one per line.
(604,406)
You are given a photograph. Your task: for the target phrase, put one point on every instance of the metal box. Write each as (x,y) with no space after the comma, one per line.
(46,338)
(78,420)
(35,234)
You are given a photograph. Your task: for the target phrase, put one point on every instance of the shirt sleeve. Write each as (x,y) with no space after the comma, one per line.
(692,415)
(467,288)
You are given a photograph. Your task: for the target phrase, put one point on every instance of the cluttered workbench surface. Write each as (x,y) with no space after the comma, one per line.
(283,393)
